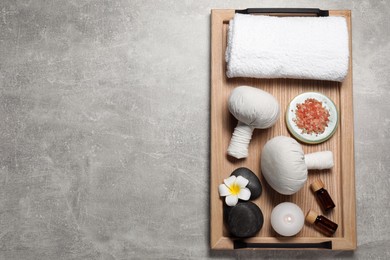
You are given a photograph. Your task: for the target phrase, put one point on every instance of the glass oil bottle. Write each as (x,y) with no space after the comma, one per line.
(321,223)
(322,195)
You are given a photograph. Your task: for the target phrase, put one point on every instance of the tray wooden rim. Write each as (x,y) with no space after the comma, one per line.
(348,240)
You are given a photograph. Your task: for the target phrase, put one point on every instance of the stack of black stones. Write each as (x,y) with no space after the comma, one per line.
(245,219)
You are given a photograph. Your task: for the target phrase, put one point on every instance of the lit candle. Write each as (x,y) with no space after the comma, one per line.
(287,219)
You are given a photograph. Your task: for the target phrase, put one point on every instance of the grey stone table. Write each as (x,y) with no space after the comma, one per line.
(104,130)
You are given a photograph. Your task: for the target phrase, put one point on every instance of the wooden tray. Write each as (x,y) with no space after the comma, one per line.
(339,181)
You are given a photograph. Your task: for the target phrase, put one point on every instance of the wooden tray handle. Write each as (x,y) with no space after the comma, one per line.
(240,244)
(306,11)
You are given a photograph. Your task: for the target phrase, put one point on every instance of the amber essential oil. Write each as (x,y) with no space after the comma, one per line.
(321,223)
(322,195)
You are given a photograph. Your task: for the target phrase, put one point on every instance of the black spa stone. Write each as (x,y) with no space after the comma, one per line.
(254,184)
(244,220)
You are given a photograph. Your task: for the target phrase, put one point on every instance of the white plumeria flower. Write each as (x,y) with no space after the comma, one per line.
(234,188)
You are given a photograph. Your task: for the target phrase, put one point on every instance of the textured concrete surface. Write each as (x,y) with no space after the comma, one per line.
(104,130)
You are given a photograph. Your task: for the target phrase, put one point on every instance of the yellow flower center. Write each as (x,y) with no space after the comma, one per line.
(235,189)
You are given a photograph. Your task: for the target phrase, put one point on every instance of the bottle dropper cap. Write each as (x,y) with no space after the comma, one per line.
(311,216)
(317,185)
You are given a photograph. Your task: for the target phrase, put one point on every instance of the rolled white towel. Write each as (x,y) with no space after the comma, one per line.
(262,46)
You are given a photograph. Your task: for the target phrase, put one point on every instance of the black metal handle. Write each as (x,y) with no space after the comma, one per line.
(239,244)
(315,11)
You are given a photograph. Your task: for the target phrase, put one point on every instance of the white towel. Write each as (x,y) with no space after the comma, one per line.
(262,46)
